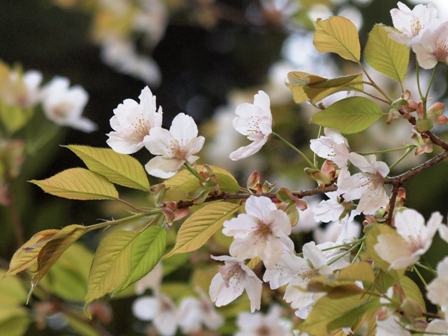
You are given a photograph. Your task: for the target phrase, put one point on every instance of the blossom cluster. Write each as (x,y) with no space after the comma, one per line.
(263,251)
(423,31)
(61,103)
(264,230)
(138,125)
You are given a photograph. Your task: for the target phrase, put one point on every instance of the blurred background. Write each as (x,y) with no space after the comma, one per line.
(202,57)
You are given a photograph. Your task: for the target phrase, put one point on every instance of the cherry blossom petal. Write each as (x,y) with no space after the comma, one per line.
(163,167)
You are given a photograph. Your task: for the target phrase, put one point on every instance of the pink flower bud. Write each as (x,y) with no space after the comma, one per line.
(435,110)
(441,120)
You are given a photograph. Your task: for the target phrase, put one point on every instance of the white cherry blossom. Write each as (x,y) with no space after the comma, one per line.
(233,278)
(333,146)
(391,326)
(254,121)
(133,121)
(366,186)
(337,232)
(21,89)
(173,147)
(412,23)
(433,46)
(64,105)
(437,290)
(437,327)
(297,272)
(329,210)
(160,310)
(261,232)
(194,312)
(258,324)
(413,240)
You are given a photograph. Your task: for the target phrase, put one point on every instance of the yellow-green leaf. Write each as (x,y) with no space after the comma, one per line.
(14,117)
(412,291)
(146,253)
(317,92)
(373,231)
(12,291)
(329,314)
(186,182)
(201,225)
(68,276)
(79,184)
(385,54)
(14,321)
(345,279)
(298,81)
(118,168)
(338,35)
(53,250)
(27,254)
(349,115)
(111,264)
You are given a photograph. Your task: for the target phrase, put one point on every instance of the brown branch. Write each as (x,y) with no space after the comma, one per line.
(400,179)
(434,138)
(229,196)
(393,198)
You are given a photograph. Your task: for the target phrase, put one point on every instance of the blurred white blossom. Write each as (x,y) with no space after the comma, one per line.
(64,105)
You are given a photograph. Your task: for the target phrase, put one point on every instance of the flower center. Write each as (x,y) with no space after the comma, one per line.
(264,229)
(253,125)
(441,52)
(416,26)
(263,331)
(61,110)
(177,151)
(140,127)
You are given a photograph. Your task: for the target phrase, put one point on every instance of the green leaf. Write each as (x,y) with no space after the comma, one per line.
(14,117)
(146,253)
(68,276)
(12,291)
(412,291)
(186,182)
(350,317)
(338,35)
(349,115)
(14,321)
(386,55)
(117,168)
(329,314)
(201,225)
(111,264)
(79,184)
(344,283)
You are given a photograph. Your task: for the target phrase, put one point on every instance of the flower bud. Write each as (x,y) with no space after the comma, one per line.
(423,125)
(435,110)
(441,120)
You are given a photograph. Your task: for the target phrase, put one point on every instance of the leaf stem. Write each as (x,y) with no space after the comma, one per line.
(426,268)
(298,151)
(121,221)
(388,150)
(402,157)
(193,171)
(419,275)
